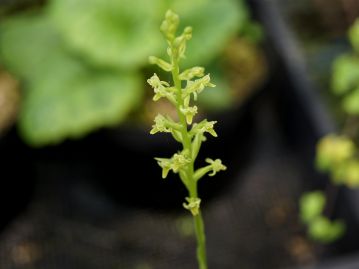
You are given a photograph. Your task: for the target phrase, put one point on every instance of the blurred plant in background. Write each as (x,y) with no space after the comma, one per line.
(338,154)
(82,63)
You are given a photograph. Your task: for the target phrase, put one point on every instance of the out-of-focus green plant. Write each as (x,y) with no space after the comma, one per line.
(320,227)
(82,61)
(337,154)
(183,94)
(345,78)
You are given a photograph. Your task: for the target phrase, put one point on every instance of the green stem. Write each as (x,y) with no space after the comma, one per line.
(201,241)
(192,183)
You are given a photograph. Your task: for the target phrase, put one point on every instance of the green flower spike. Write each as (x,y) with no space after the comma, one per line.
(191,139)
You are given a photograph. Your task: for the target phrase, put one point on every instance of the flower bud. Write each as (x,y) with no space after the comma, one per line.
(170,24)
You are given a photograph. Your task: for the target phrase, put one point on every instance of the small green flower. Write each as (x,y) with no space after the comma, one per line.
(216,166)
(165,164)
(164,124)
(193,205)
(197,86)
(189,112)
(160,125)
(161,88)
(179,160)
(204,126)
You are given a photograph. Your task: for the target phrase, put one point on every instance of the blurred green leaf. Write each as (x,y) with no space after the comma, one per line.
(117,33)
(219,97)
(348,173)
(345,75)
(332,150)
(351,102)
(123,32)
(354,35)
(311,205)
(253,32)
(64,97)
(28,46)
(326,231)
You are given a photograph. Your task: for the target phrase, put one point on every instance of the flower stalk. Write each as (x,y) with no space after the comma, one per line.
(190,135)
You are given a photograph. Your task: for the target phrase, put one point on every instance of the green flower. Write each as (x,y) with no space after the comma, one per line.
(195,87)
(165,125)
(160,125)
(165,164)
(175,163)
(216,166)
(189,112)
(179,160)
(161,88)
(193,205)
(204,126)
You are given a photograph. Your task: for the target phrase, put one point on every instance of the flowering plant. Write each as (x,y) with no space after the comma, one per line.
(191,135)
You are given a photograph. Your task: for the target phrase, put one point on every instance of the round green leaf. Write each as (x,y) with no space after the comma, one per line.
(117,33)
(63,97)
(326,231)
(351,102)
(333,150)
(28,45)
(71,105)
(354,35)
(345,74)
(311,205)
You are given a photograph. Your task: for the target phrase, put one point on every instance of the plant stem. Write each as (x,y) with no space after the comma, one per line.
(192,183)
(201,241)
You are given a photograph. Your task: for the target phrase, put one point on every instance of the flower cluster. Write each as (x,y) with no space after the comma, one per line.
(185,131)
